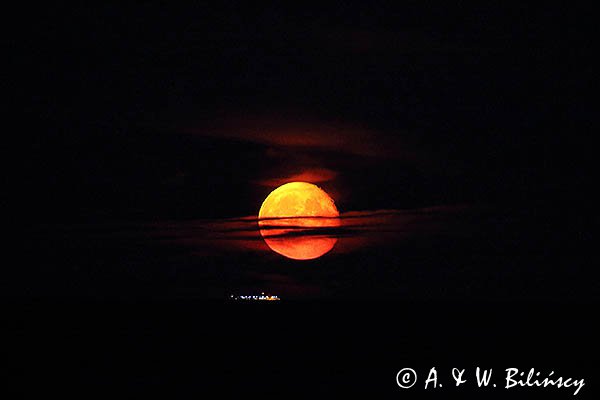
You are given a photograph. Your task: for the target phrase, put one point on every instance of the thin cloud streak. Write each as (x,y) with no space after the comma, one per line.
(222,237)
(357,230)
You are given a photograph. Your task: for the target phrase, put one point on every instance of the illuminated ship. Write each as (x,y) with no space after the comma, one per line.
(254,297)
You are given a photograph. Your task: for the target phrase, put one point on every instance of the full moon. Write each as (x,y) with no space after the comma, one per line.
(298,208)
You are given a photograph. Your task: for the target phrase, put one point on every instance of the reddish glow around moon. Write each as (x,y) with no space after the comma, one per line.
(298,207)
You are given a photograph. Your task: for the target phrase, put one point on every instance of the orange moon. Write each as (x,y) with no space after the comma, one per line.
(298,207)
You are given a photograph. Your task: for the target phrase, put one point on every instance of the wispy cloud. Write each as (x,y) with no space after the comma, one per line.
(357,230)
(222,237)
(313,175)
(307,133)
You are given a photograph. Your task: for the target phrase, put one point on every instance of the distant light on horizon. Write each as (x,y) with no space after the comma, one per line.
(260,297)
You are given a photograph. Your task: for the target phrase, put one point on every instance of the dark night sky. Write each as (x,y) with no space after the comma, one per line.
(470,98)
(146,114)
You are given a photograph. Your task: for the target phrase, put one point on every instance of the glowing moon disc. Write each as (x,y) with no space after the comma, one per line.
(301,209)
